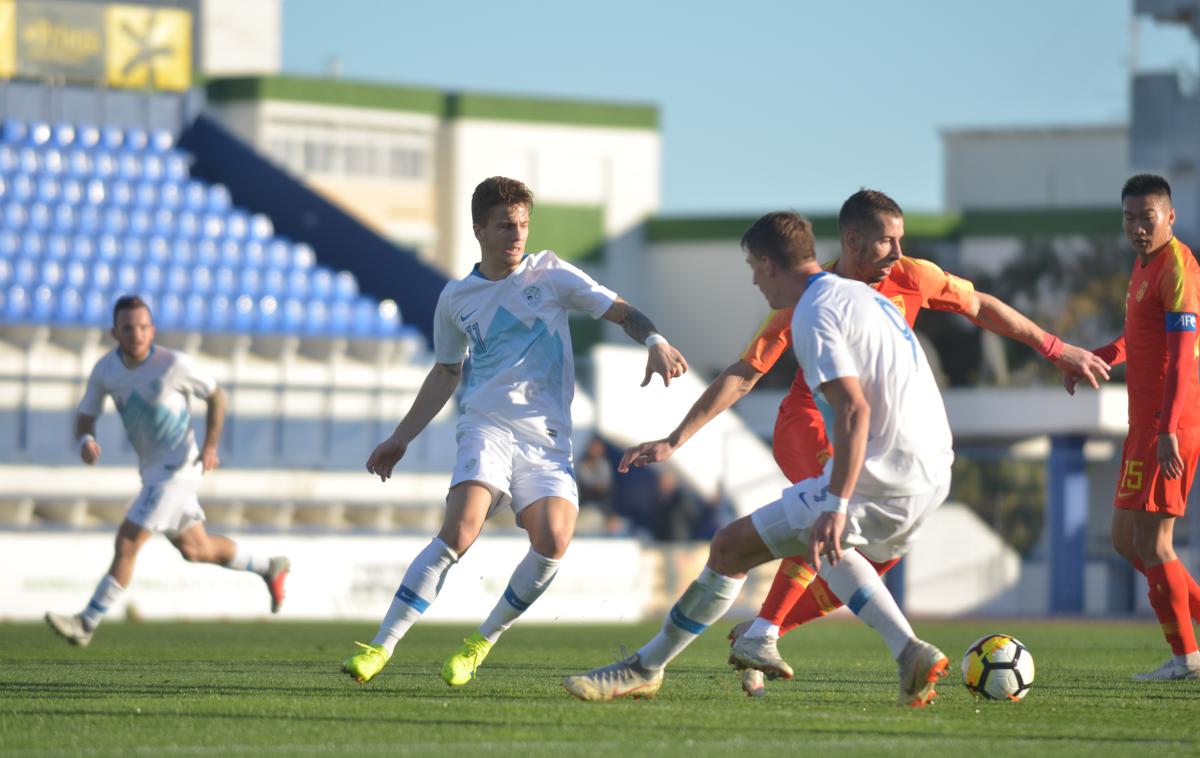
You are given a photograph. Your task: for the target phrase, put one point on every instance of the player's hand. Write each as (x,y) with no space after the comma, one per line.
(645,453)
(1082,364)
(665,361)
(385,457)
(209,458)
(826,538)
(90,453)
(1168,456)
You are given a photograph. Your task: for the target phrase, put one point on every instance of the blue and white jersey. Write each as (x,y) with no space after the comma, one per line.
(844,328)
(153,402)
(521,372)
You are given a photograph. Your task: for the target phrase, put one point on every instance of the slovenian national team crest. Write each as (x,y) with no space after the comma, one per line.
(533,295)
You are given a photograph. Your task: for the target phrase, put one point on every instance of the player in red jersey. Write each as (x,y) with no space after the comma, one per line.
(1159,458)
(871,226)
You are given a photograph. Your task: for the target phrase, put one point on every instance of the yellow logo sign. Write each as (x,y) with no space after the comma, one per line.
(8,39)
(898,301)
(149,47)
(1142,291)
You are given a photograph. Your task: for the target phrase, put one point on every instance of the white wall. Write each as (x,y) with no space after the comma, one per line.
(241,37)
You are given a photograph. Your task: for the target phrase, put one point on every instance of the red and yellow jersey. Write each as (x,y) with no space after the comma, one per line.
(1163,297)
(911,285)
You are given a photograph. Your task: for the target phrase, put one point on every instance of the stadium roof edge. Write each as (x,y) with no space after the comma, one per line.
(450,105)
(929,226)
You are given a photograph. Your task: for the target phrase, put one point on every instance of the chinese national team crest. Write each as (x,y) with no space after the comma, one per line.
(1142,291)
(898,301)
(533,295)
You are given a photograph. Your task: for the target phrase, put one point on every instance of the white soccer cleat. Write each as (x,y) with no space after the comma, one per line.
(752,683)
(624,678)
(1169,671)
(921,665)
(761,653)
(70,628)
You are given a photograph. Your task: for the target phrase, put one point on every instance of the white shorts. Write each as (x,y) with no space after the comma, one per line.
(881,528)
(522,472)
(169,506)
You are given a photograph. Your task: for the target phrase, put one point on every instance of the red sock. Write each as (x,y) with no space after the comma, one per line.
(1169,599)
(1192,588)
(791,582)
(820,600)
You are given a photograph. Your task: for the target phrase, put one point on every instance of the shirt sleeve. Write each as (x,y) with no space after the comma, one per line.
(449,341)
(92,403)
(822,348)
(192,379)
(770,342)
(576,290)
(940,290)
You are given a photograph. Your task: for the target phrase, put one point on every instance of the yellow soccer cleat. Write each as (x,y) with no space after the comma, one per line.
(460,667)
(367,663)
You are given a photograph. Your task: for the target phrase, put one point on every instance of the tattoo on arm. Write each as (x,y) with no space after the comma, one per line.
(453,369)
(636,324)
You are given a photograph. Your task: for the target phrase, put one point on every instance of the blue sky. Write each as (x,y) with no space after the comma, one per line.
(766,104)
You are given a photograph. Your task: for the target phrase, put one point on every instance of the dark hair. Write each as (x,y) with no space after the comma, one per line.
(129,303)
(866,206)
(1145,184)
(784,237)
(498,190)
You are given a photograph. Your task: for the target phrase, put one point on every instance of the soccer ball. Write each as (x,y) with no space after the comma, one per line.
(998,667)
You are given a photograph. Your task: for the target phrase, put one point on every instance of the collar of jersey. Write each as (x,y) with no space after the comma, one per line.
(153,347)
(475,269)
(813,277)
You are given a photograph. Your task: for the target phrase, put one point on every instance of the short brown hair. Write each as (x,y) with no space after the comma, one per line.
(498,190)
(129,303)
(785,237)
(866,206)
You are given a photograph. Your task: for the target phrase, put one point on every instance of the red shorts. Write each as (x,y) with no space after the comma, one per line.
(1142,487)
(799,443)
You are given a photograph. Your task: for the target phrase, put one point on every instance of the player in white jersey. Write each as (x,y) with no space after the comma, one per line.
(151,387)
(514,437)
(890,469)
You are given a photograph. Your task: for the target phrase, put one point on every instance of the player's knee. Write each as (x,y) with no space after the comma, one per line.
(553,545)
(723,550)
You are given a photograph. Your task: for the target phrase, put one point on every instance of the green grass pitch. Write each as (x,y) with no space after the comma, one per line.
(226,689)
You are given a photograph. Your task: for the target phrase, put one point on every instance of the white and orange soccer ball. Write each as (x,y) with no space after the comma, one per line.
(998,667)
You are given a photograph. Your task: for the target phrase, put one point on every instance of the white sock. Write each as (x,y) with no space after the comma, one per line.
(1191,660)
(705,601)
(420,586)
(760,627)
(860,587)
(243,560)
(530,579)
(106,594)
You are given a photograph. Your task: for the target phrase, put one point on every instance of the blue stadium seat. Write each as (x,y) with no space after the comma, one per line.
(187,224)
(207,254)
(83,248)
(345,286)
(225,282)
(14,130)
(119,194)
(218,198)
(267,315)
(260,228)
(176,168)
(127,278)
(95,192)
(75,274)
(70,306)
(279,254)
(161,140)
(170,312)
(291,316)
(158,250)
(164,222)
(79,163)
(87,136)
(274,282)
(231,253)
(145,194)
(48,189)
(212,225)
(254,255)
(15,215)
(195,315)
(51,274)
(16,307)
(388,323)
(108,247)
(101,276)
(89,219)
(320,282)
(152,168)
(316,318)
(297,283)
(303,256)
(141,221)
(151,278)
(133,250)
(95,307)
(27,160)
(33,244)
(62,135)
(237,225)
(136,139)
(71,191)
(112,138)
(250,282)
(220,314)
(341,316)
(40,217)
(52,162)
(104,164)
(57,247)
(39,133)
(201,282)
(363,324)
(170,195)
(22,188)
(64,218)
(129,166)
(6,274)
(8,159)
(195,196)
(115,220)
(182,251)
(177,278)
(245,314)
(10,243)
(42,304)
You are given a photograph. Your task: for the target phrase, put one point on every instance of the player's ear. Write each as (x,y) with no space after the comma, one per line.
(478,229)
